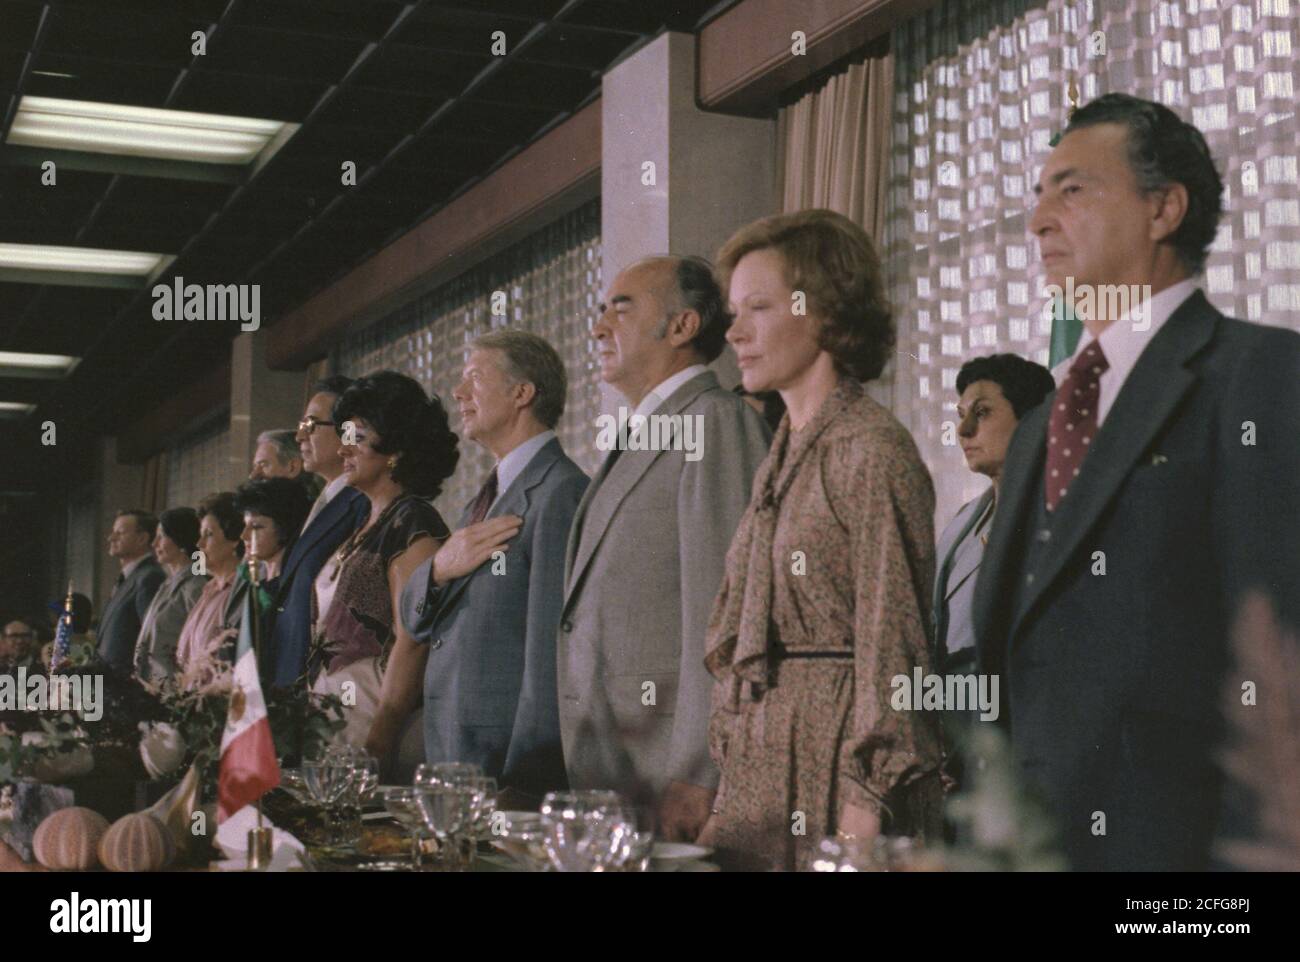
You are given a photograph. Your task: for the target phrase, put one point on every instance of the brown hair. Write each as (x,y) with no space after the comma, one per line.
(833,262)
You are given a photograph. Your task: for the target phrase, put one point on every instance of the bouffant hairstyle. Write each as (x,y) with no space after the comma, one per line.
(182,526)
(832,261)
(410,424)
(283,500)
(222,507)
(1024,384)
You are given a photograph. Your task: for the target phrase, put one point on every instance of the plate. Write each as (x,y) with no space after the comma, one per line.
(677,851)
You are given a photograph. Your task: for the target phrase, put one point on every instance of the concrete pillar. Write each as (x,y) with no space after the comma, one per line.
(260,400)
(120,488)
(712,172)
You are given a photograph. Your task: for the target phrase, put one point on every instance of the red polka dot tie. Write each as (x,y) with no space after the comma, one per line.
(1074,422)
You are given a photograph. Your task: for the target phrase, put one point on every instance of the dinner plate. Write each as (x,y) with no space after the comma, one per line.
(677,851)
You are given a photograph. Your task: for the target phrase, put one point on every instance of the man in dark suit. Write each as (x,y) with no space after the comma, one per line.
(1139,503)
(490,622)
(129,542)
(337,512)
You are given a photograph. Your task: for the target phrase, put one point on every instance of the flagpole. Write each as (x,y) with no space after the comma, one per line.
(65,629)
(255,632)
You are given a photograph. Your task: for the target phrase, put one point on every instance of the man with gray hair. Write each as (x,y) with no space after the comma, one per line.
(487,604)
(645,557)
(276,456)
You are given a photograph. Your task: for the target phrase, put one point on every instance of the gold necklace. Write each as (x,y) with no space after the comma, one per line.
(353,543)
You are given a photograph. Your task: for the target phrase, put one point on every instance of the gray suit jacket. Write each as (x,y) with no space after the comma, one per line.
(954,583)
(489,685)
(644,562)
(155,648)
(119,624)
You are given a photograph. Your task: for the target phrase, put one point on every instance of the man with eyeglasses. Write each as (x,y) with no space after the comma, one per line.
(18,646)
(338,512)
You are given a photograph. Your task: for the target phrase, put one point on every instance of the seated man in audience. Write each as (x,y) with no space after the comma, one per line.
(1139,506)
(488,603)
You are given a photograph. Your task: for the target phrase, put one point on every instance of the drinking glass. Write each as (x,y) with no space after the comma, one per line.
(521,836)
(447,812)
(446,773)
(401,803)
(583,831)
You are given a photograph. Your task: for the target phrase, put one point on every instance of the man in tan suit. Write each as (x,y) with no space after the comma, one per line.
(645,555)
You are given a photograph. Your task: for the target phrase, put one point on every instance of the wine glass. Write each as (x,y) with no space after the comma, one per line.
(401,803)
(326,780)
(583,831)
(446,773)
(447,812)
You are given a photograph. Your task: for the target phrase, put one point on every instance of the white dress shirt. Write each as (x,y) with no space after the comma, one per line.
(662,391)
(513,464)
(1123,344)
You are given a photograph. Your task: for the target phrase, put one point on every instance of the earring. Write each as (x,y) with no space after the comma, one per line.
(392,463)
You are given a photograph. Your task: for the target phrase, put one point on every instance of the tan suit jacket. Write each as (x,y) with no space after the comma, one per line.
(644,561)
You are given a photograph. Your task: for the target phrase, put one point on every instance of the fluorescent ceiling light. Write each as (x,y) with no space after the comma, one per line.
(83,260)
(140,131)
(14,409)
(20,364)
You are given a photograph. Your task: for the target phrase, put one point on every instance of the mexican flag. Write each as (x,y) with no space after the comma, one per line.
(249,768)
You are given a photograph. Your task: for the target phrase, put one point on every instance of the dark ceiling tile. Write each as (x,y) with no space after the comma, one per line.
(284,54)
(105,30)
(341,18)
(574,47)
(237,94)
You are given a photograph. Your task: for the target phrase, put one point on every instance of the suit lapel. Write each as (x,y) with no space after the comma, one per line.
(961,568)
(616,483)
(515,500)
(1151,393)
(327,521)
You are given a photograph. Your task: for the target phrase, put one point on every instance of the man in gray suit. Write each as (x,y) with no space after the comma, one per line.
(645,557)
(129,542)
(488,602)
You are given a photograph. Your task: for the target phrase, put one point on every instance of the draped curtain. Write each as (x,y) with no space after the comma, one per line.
(833,148)
(981,89)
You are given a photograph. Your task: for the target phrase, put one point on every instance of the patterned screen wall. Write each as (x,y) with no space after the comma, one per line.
(80,545)
(980,91)
(196,466)
(551,281)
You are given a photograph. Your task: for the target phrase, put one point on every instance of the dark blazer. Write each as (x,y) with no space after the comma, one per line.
(954,584)
(1115,679)
(290,636)
(489,688)
(119,625)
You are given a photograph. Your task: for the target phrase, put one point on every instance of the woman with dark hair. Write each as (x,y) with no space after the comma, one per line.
(174,545)
(994,393)
(826,593)
(398,449)
(273,510)
(198,653)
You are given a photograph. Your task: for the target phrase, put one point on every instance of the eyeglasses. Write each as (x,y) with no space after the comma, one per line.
(310,423)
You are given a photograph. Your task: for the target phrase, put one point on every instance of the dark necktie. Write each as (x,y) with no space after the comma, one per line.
(486,495)
(1073,424)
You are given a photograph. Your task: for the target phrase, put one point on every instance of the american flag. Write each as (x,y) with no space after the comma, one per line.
(63,637)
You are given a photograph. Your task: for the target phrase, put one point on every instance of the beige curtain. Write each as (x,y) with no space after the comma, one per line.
(834,145)
(834,152)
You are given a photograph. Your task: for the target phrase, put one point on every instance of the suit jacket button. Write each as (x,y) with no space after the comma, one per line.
(437,644)
(1045,535)
(1029,579)
(566,626)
